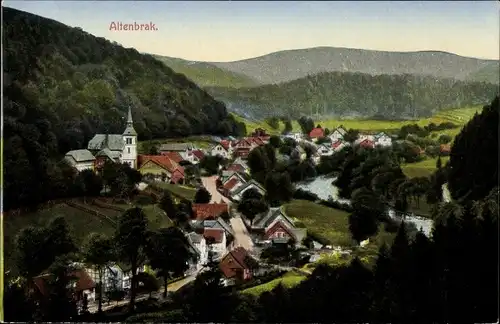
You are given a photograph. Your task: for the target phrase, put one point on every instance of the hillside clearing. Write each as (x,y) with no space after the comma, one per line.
(179,191)
(329,223)
(201,142)
(423,168)
(288,280)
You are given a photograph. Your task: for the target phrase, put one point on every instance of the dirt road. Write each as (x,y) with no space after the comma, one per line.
(209,184)
(241,235)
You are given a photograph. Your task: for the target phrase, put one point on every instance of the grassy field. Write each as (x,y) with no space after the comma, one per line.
(288,280)
(202,142)
(178,190)
(423,168)
(330,223)
(456,116)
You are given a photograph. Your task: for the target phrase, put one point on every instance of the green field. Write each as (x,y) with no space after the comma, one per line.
(330,223)
(181,191)
(423,168)
(288,280)
(201,142)
(207,75)
(456,116)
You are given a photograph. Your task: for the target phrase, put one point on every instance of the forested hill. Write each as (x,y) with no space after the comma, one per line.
(83,84)
(63,85)
(289,65)
(338,94)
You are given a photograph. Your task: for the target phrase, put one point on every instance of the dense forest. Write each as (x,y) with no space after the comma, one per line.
(63,85)
(339,94)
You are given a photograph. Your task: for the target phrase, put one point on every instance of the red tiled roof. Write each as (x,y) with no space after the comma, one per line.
(316,133)
(177,175)
(162,160)
(238,255)
(242,142)
(276,226)
(216,233)
(225,144)
(204,211)
(199,154)
(236,168)
(231,183)
(336,144)
(367,143)
(174,156)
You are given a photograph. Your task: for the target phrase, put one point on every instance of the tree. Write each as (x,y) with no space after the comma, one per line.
(167,204)
(279,188)
(168,253)
(98,253)
(252,207)
(474,178)
(274,122)
(275,141)
(202,196)
(130,240)
(444,139)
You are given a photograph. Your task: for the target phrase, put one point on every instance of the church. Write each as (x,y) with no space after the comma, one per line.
(120,148)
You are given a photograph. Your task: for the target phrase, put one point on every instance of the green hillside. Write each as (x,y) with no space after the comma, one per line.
(206,74)
(356,95)
(489,73)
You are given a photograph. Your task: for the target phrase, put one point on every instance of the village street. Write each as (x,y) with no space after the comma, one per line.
(173,287)
(209,184)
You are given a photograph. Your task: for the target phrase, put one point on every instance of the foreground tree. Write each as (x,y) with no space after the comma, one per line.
(130,240)
(168,252)
(98,253)
(202,196)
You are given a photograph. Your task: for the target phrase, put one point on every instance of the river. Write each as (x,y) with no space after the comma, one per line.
(323,187)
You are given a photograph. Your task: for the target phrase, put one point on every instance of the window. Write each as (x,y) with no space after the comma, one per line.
(128,150)
(129,141)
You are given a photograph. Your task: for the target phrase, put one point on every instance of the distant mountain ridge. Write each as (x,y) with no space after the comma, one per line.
(290,65)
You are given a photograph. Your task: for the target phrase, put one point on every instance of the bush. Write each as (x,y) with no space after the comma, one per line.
(337,205)
(172,316)
(444,139)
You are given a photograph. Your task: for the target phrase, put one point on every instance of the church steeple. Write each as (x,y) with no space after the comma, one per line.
(129,130)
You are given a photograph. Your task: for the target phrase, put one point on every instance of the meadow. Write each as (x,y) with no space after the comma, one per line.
(423,168)
(288,280)
(179,191)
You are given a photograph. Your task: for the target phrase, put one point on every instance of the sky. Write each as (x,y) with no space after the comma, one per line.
(233,30)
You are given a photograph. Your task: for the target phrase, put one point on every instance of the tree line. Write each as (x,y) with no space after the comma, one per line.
(346,94)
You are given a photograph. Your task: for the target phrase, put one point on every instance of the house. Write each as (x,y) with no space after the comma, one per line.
(275,224)
(237,193)
(123,146)
(194,156)
(161,166)
(182,148)
(445,148)
(267,219)
(256,141)
(317,133)
(362,137)
(106,155)
(240,161)
(258,132)
(339,145)
(338,134)
(223,149)
(382,139)
(324,150)
(367,143)
(236,168)
(80,159)
(198,246)
(174,156)
(242,147)
(80,286)
(232,184)
(116,277)
(237,266)
(216,241)
(209,211)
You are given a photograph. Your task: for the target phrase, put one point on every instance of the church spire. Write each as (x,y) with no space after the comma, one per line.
(130,122)
(129,130)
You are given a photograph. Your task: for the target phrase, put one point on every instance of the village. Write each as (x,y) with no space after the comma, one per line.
(218,231)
